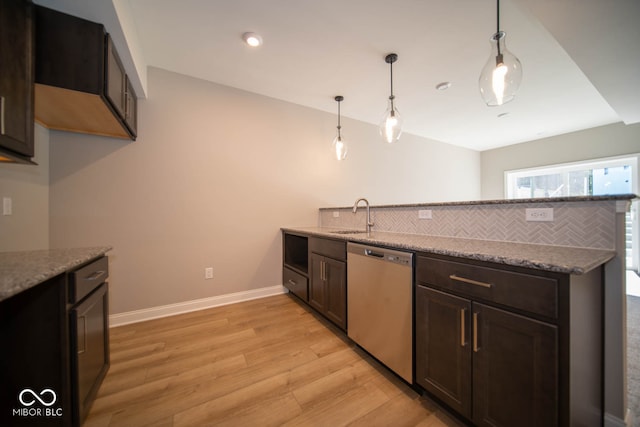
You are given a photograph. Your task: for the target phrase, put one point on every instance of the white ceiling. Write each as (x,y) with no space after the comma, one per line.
(581,67)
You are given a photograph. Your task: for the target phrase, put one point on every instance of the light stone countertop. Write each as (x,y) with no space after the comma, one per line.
(561,259)
(539,200)
(22,270)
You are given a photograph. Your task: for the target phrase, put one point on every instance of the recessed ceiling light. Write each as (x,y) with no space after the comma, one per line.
(443,85)
(252,39)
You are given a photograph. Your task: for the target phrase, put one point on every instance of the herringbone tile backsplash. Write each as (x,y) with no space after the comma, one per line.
(579,224)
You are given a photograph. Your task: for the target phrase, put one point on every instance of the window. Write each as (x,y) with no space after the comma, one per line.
(617,175)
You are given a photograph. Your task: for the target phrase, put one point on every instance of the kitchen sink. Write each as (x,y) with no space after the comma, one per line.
(347,232)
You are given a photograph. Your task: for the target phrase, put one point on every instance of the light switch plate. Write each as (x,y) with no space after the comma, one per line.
(539,214)
(7,206)
(208,273)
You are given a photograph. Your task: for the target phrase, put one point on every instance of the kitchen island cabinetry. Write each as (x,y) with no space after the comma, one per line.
(81,85)
(328,279)
(16,81)
(509,346)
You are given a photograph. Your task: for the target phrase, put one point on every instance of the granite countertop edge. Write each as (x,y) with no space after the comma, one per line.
(23,270)
(500,202)
(559,259)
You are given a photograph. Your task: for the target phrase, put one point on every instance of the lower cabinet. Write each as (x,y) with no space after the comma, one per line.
(34,363)
(296,283)
(494,367)
(328,288)
(443,349)
(509,347)
(57,340)
(315,270)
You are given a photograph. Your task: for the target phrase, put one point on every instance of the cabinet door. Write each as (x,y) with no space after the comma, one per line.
(317,288)
(515,369)
(336,278)
(16,76)
(90,349)
(115,80)
(443,348)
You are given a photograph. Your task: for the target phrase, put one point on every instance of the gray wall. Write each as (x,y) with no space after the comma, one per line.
(604,141)
(28,187)
(212,177)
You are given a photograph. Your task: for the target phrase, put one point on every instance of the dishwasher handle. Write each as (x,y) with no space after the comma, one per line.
(369,252)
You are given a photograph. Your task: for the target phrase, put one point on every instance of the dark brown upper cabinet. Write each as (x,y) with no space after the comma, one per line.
(81,85)
(16,81)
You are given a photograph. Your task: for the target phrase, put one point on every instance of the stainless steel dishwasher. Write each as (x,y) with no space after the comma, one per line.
(379,305)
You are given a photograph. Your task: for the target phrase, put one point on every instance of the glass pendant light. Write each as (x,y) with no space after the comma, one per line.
(339,145)
(391,125)
(502,74)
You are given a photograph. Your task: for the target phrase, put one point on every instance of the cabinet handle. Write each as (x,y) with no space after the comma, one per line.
(470,281)
(96,274)
(324,271)
(127,102)
(475,333)
(291,282)
(84,335)
(463,341)
(1,115)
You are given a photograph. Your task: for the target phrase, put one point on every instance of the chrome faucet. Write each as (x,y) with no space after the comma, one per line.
(355,209)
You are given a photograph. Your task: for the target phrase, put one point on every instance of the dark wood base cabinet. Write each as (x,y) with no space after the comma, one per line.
(34,336)
(295,265)
(328,279)
(509,347)
(315,270)
(55,349)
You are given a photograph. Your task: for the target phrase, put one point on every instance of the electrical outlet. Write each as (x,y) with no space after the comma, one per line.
(208,273)
(425,214)
(336,214)
(7,206)
(539,214)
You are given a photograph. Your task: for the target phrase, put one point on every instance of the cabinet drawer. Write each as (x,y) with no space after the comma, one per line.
(87,278)
(296,283)
(336,249)
(527,292)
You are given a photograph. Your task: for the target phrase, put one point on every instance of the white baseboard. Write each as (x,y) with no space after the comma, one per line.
(135,316)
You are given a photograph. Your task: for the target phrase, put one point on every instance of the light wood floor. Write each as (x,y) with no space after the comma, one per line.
(267,362)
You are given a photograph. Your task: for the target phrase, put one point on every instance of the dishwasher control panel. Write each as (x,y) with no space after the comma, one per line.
(398,260)
(382,254)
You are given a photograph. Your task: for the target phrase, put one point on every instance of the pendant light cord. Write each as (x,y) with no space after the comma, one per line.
(391,97)
(339,127)
(499,57)
(390,59)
